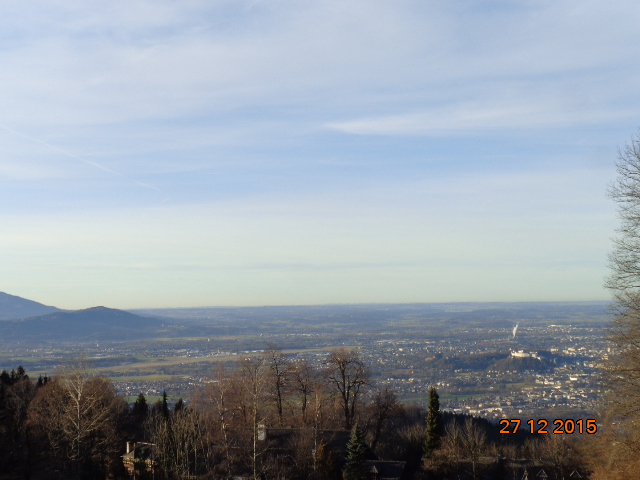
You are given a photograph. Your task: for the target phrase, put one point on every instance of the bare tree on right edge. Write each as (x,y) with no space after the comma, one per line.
(623,281)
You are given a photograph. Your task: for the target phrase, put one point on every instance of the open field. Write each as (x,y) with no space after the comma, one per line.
(150,364)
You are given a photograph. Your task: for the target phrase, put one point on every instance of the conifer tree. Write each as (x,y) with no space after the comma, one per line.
(164,406)
(42,381)
(355,468)
(21,374)
(433,431)
(140,407)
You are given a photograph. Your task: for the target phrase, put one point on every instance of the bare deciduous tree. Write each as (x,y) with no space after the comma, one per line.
(305,382)
(452,446)
(348,377)
(613,453)
(79,416)
(558,451)
(253,377)
(474,443)
(181,447)
(623,373)
(278,367)
(624,280)
(216,400)
(385,407)
(624,261)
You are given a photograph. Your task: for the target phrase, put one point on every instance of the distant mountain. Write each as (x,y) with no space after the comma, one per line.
(13,308)
(97,323)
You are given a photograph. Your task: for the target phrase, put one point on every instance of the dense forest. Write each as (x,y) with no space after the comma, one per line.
(266,417)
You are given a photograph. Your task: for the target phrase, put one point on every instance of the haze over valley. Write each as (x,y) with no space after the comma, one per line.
(473,352)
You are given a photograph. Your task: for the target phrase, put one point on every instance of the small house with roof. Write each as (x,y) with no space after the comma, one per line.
(138,458)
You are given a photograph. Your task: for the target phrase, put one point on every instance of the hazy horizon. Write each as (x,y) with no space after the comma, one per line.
(457,303)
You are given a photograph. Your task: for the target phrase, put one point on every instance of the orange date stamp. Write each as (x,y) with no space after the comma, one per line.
(542,426)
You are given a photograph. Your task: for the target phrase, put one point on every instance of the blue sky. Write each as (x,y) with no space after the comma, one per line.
(173,154)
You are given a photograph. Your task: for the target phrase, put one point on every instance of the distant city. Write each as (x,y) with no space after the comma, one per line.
(490,360)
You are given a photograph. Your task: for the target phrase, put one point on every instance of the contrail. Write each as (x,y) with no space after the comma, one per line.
(78,158)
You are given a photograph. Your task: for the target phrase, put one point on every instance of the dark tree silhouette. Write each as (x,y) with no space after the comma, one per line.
(433,432)
(140,407)
(355,467)
(164,405)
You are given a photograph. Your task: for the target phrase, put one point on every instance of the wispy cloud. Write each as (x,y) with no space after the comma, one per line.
(78,158)
(475,118)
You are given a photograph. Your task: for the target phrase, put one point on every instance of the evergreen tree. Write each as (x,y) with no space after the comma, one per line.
(178,406)
(433,431)
(355,468)
(42,381)
(140,408)
(164,406)
(21,374)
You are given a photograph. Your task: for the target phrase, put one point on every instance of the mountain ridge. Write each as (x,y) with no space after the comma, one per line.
(38,322)
(13,307)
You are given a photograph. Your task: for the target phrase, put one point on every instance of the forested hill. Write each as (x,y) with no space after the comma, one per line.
(14,308)
(98,323)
